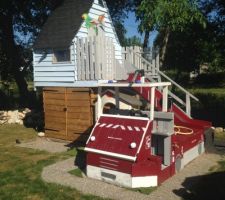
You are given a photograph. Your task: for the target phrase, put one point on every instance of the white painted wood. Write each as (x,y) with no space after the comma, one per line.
(54,69)
(125,117)
(117,98)
(188,105)
(107,153)
(67,84)
(121,179)
(54,79)
(54,74)
(152,104)
(165,99)
(192,153)
(87,59)
(78,59)
(134,84)
(99,102)
(144,181)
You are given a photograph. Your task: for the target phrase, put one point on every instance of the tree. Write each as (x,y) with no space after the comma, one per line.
(17,19)
(133,41)
(195,45)
(167,16)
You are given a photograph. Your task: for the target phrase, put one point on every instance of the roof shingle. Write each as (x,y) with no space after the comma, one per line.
(63,24)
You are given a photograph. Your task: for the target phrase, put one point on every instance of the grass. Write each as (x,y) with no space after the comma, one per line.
(76,172)
(144,190)
(215,91)
(20,169)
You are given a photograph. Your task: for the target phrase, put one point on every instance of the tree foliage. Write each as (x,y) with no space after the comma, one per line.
(19,18)
(167,16)
(196,46)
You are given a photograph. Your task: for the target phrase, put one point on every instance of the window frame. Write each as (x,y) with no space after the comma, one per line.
(54,57)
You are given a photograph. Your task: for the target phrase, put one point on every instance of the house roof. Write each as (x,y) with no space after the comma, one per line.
(63,24)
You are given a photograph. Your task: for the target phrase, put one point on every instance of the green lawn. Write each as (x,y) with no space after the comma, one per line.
(20,169)
(213,91)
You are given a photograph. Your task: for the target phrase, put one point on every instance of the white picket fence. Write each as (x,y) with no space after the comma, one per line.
(96,59)
(148,61)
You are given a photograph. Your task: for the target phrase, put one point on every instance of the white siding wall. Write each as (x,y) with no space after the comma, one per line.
(47,73)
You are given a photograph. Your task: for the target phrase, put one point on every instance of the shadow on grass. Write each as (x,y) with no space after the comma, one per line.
(212,108)
(80,160)
(206,187)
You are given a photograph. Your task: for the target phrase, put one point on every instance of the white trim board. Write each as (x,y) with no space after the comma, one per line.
(116,155)
(120,178)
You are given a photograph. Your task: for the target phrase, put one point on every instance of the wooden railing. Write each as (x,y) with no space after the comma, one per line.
(135,56)
(152,70)
(96,59)
(188,95)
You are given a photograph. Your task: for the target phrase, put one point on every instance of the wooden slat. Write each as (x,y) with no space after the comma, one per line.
(54,89)
(91,59)
(78,122)
(55,113)
(78,103)
(54,102)
(72,90)
(54,108)
(59,96)
(56,134)
(82,61)
(72,115)
(79,129)
(81,109)
(95,51)
(50,119)
(55,126)
(86,46)
(78,60)
(78,96)
(78,136)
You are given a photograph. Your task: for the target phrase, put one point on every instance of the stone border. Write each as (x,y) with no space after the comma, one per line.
(58,173)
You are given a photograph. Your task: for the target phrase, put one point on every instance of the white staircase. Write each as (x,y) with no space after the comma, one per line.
(152,72)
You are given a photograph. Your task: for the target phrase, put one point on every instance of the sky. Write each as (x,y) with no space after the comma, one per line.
(131,26)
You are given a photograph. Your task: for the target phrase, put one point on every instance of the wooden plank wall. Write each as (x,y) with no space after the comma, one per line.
(68,113)
(95,58)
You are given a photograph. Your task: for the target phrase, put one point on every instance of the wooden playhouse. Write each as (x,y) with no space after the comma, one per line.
(138,132)
(70,60)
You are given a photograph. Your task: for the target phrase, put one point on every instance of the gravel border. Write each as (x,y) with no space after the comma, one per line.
(58,173)
(46,144)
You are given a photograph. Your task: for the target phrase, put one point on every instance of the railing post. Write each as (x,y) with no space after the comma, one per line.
(152,103)
(99,102)
(188,105)
(165,99)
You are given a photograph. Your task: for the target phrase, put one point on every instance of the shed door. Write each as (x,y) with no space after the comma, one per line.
(68,113)
(79,114)
(55,112)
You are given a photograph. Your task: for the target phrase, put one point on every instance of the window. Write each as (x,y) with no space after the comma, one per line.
(61,55)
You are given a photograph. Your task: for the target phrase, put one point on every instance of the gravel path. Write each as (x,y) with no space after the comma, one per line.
(45,144)
(58,173)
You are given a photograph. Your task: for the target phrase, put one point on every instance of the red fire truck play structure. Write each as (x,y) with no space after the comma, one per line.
(142,148)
